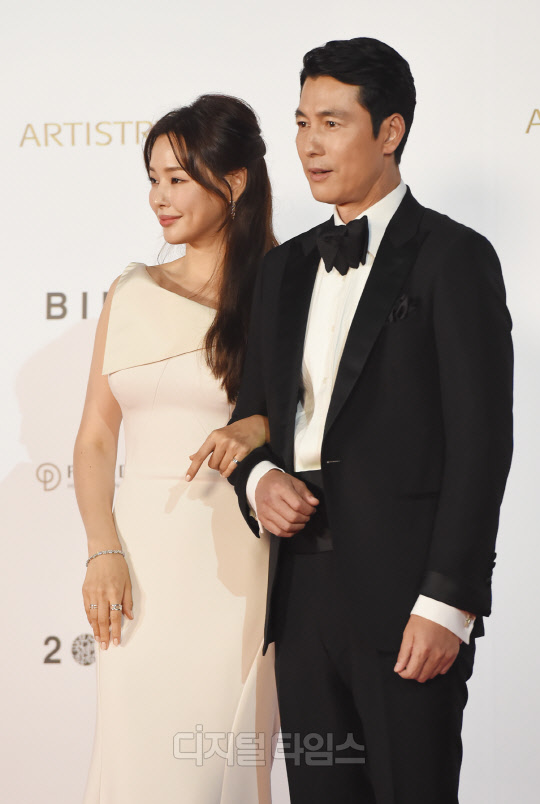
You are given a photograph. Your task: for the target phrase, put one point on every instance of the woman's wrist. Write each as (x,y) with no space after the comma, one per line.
(104,553)
(103,542)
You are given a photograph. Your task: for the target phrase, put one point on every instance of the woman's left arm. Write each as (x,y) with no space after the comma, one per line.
(230,445)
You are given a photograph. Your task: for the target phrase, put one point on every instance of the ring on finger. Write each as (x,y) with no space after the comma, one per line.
(235,460)
(116,607)
(93,605)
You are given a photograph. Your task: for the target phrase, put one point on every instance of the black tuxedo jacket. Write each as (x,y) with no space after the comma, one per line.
(418,437)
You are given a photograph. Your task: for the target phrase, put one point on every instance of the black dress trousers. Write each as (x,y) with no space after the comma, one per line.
(353,730)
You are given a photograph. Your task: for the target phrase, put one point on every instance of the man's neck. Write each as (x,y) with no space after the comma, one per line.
(386,183)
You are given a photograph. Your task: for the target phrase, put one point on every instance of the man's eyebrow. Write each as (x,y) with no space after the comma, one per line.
(325,113)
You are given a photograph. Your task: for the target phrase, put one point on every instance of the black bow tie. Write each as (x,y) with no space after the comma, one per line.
(343,247)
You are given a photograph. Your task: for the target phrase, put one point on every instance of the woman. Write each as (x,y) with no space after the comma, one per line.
(186,702)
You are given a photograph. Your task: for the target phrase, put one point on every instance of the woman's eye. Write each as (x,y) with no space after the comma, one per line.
(176,180)
(152,180)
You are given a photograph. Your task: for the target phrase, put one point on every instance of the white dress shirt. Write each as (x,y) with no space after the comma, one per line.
(335,299)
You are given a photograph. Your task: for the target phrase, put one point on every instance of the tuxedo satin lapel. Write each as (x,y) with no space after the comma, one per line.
(395,257)
(294,302)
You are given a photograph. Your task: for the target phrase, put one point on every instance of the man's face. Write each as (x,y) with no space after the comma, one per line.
(343,161)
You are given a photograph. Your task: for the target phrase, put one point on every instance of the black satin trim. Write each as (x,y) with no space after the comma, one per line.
(294,303)
(460,595)
(387,277)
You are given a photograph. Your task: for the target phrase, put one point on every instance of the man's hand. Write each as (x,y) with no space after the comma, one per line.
(284,503)
(427,650)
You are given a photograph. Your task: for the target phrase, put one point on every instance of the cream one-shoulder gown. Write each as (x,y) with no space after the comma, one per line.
(186,705)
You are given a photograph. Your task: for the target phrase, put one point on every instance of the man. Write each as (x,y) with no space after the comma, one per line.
(380,351)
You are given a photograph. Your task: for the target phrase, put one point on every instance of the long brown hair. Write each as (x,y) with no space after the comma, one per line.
(214,136)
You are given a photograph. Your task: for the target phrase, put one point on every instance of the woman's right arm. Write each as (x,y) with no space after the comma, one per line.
(94,464)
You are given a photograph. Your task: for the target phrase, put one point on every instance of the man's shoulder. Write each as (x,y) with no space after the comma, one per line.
(447,229)
(447,242)
(305,240)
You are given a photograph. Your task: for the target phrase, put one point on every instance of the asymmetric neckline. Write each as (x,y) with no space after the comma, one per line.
(180,295)
(147,326)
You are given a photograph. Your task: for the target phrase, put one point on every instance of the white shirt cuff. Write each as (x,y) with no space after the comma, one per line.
(443,614)
(255,475)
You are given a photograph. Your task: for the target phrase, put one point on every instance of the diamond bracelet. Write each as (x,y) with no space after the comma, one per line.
(104,553)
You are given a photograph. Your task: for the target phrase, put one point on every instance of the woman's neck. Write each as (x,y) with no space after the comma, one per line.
(197,274)
(202,264)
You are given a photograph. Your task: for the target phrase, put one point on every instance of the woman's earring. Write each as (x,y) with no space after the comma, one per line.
(233,210)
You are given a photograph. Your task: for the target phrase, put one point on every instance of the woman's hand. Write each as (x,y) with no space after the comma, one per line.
(234,441)
(107,581)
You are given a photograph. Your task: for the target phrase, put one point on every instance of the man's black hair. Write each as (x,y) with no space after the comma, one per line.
(384,78)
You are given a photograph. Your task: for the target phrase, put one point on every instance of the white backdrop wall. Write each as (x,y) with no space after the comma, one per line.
(80,81)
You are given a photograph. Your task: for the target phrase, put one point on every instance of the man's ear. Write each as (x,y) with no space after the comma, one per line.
(237,182)
(393,130)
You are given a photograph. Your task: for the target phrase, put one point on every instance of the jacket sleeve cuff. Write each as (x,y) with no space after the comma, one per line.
(463,594)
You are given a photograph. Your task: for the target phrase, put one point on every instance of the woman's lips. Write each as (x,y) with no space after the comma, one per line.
(166,220)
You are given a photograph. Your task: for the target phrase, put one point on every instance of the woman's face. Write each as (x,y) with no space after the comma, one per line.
(187,212)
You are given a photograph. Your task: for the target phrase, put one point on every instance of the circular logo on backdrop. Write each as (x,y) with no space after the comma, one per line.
(82,649)
(49,475)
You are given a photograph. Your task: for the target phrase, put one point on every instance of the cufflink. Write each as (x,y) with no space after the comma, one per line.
(468,620)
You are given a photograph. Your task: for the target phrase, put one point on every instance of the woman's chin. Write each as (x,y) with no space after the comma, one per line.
(173,240)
